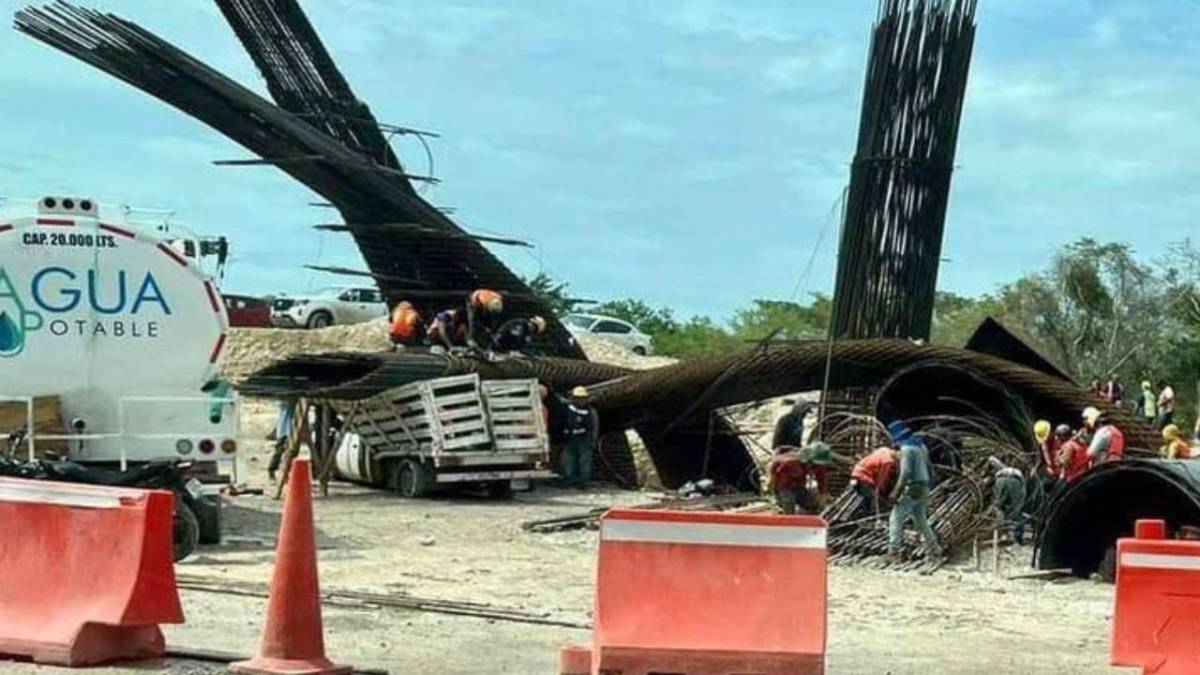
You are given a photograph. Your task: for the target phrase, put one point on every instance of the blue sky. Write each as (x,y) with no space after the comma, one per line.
(688,152)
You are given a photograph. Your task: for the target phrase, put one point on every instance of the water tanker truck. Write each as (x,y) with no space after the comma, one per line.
(111,318)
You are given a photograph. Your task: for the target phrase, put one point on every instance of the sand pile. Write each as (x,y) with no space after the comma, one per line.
(613,354)
(252,349)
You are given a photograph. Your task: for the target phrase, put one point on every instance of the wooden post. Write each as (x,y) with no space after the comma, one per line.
(996,551)
(326,469)
(323,424)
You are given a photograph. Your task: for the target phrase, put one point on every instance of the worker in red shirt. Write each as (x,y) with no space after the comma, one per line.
(407,327)
(788,473)
(872,479)
(1049,444)
(1072,459)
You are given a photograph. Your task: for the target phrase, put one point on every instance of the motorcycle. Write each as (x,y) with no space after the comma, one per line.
(166,474)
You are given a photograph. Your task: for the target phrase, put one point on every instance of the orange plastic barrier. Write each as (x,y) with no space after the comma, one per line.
(709,594)
(85,572)
(1156,620)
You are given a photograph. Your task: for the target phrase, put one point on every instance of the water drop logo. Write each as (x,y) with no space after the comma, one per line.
(16,322)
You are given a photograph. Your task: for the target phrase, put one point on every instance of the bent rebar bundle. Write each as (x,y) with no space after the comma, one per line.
(319,134)
(900,179)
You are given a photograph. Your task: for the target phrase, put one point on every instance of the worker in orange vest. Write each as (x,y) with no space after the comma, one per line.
(407,325)
(872,478)
(484,310)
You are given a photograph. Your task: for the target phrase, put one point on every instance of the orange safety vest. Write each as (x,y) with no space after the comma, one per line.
(406,324)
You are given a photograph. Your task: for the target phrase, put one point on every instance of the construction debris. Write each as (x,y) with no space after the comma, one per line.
(590,518)
(365,600)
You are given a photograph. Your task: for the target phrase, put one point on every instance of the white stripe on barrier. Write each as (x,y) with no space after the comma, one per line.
(1161,561)
(712,534)
(32,495)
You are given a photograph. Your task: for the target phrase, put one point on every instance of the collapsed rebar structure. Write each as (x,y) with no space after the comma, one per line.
(900,180)
(915,381)
(317,131)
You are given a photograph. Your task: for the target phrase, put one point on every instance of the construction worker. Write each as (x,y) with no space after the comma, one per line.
(1147,403)
(1166,404)
(910,496)
(483,312)
(1175,447)
(516,335)
(283,433)
(407,327)
(581,437)
(1048,444)
(788,473)
(1008,498)
(1072,457)
(871,478)
(1107,442)
(447,330)
(789,429)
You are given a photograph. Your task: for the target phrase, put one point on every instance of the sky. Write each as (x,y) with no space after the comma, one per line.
(691,153)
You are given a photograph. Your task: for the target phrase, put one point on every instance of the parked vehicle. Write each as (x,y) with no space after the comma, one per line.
(612,329)
(330,307)
(445,433)
(106,312)
(247,312)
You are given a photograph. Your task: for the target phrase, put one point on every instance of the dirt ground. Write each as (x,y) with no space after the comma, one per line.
(955,621)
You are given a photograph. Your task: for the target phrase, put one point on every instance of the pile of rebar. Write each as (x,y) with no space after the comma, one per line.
(900,179)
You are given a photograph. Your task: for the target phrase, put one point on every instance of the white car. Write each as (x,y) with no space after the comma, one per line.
(611,329)
(329,307)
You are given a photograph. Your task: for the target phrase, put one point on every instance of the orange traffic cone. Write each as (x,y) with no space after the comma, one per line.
(293,640)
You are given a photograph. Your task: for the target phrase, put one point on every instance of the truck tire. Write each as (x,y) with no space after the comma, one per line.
(320,319)
(185,531)
(501,489)
(639,350)
(208,513)
(411,479)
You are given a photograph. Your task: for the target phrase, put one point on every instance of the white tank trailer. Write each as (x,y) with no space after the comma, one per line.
(114,317)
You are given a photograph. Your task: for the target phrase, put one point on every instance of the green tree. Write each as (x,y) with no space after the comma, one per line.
(556,294)
(784,320)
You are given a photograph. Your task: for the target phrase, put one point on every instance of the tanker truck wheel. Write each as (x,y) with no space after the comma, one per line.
(320,320)
(411,480)
(185,531)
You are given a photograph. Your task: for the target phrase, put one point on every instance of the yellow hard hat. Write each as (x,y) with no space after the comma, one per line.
(1090,415)
(1170,433)
(1041,431)
(539,323)
(579,392)
(1145,384)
